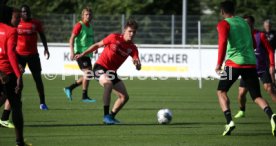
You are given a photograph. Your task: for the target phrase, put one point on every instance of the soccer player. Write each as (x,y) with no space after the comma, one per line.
(265,67)
(269,33)
(4,121)
(117,48)
(81,38)
(10,68)
(236,42)
(27,49)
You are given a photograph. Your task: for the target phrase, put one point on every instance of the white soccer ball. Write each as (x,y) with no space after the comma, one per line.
(164,116)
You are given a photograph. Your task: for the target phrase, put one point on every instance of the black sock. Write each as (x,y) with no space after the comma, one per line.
(84,94)
(42,99)
(73,86)
(5,115)
(106,109)
(228,116)
(113,114)
(268,111)
(242,109)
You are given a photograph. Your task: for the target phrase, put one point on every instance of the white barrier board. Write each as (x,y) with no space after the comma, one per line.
(159,61)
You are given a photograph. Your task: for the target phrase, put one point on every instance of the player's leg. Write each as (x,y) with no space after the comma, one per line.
(121,92)
(35,68)
(88,75)
(269,89)
(267,84)
(241,99)
(251,79)
(16,106)
(227,79)
(69,89)
(5,116)
(107,85)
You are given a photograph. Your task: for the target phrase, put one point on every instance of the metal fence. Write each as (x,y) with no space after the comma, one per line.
(161,29)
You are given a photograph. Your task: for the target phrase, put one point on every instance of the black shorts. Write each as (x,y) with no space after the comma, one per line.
(249,75)
(32,60)
(84,62)
(264,77)
(98,70)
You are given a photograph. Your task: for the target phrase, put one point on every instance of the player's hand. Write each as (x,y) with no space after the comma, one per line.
(72,56)
(272,70)
(3,78)
(77,56)
(19,85)
(47,54)
(22,70)
(137,63)
(218,69)
(96,52)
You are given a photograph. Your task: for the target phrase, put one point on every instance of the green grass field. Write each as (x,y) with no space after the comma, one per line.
(197,118)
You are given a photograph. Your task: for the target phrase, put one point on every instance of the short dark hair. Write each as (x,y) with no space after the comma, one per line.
(131,23)
(26,7)
(228,7)
(250,18)
(6,14)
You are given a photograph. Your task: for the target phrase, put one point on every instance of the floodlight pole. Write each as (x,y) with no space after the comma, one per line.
(184,16)
(199,55)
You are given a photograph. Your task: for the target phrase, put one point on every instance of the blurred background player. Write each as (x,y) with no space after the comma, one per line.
(236,42)
(265,67)
(117,48)
(9,67)
(27,49)
(269,33)
(81,38)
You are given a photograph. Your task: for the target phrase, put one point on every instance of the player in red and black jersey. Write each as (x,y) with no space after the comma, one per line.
(27,49)
(270,33)
(117,48)
(12,85)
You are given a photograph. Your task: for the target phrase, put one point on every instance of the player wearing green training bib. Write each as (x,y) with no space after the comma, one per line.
(236,42)
(81,38)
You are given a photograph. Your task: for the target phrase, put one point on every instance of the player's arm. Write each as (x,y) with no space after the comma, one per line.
(91,49)
(75,32)
(44,42)
(71,43)
(135,59)
(270,52)
(223,31)
(11,45)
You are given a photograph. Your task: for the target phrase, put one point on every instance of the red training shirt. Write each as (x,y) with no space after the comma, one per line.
(27,36)
(116,51)
(8,59)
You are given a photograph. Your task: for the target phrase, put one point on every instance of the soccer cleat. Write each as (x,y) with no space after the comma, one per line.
(229,128)
(108,120)
(68,93)
(273,122)
(240,114)
(43,107)
(88,100)
(6,124)
(116,121)
(25,144)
